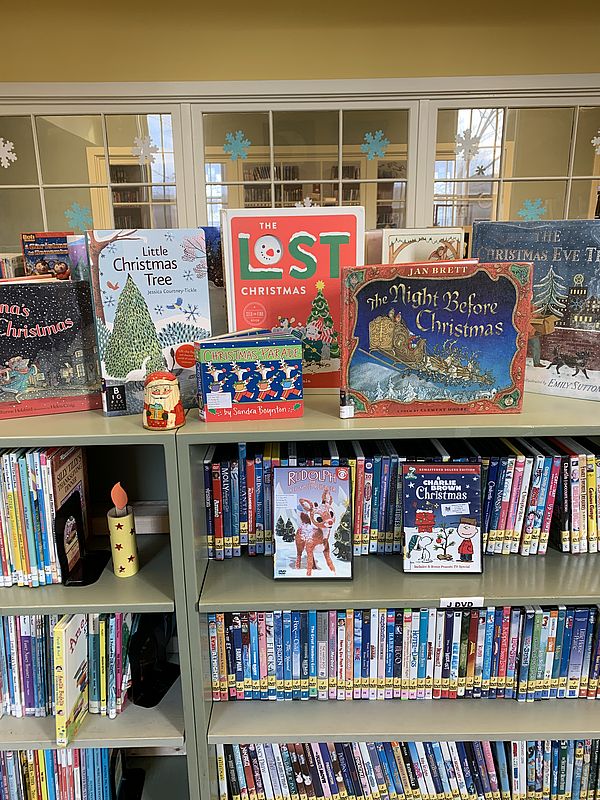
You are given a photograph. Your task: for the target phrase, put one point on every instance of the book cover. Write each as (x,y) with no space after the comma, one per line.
(151,303)
(48,354)
(564,340)
(290,258)
(46,253)
(408,245)
(444,338)
(70,675)
(442,517)
(68,480)
(316,503)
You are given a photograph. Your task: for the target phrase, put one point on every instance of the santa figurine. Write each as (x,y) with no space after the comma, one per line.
(163,409)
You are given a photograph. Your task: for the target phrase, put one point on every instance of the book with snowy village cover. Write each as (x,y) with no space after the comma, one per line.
(312,522)
(442,517)
(406,245)
(564,339)
(282,271)
(151,304)
(434,338)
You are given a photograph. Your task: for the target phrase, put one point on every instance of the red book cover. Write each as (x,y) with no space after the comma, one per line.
(434,338)
(503,651)
(282,271)
(251,507)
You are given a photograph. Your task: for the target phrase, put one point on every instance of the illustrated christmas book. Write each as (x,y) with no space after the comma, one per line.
(564,338)
(151,303)
(434,338)
(282,271)
(46,253)
(406,245)
(442,517)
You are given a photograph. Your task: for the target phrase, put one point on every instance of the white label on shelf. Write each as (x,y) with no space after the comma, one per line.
(218,400)
(346,412)
(461,602)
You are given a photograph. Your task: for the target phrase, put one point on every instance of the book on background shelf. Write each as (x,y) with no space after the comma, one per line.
(409,245)
(150,293)
(434,338)
(11,265)
(282,259)
(564,338)
(46,253)
(70,675)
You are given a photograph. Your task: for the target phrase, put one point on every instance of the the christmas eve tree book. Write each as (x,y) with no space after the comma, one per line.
(150,292)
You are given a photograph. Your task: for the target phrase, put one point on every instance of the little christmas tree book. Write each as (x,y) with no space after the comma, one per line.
(150,293)
(434,338)
(406,245)
(282,271)
(564,338)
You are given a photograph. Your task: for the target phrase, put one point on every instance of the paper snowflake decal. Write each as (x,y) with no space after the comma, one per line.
(532,210)
(480,171)
(7,153)
(374,145)
(467,144)
(169,236)
(595,143)
(144,149)
(236,145)
(191,313)
(79,217)
(306,203)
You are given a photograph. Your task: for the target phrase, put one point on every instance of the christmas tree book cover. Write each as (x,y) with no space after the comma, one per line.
(311,514)
(151,303)
(442,517)
(563,355)
(434,338)
(282,271)
(48,355)
(406,245)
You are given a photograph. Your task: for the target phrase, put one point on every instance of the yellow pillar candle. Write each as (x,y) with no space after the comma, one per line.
(121,526)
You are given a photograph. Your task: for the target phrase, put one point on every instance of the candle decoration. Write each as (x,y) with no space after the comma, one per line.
(121,525)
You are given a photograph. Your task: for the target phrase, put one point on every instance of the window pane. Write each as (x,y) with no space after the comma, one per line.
(530,200)
(17,156)
(584,199)
(391,205)
(20,212)
(142,206)
(537,141)
(77,209)
(307,140)
(140,148)
(587,160)
(315,194)
(377,142)
(468,143)
(71,149)
(239,142)
(463,202)
(257,196)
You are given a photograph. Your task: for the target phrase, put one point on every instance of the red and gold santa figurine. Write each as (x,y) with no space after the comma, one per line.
(163,409)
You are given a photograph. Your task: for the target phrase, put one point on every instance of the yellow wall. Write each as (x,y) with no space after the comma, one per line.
(166,40)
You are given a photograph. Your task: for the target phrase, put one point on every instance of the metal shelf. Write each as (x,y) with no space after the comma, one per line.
(416,720)
(151,590)
(379,582)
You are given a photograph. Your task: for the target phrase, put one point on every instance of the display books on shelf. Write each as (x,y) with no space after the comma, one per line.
(11,265)
(46,253)
(48,354)
(282,271)
(70,675)
(150,293)
(443,338)
(311,512)
(564,339)
(442,517)
(406,245)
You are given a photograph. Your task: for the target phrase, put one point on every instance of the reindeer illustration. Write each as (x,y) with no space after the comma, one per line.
(264,384)
(288,384)
(216,384)
(240,386)
(316,523)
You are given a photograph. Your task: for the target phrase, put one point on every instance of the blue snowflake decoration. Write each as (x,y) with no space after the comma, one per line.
(532,210)
(110,248)
(79,217)
(110,301)
(375,145)
(158,309)
(191,313)
(236,145)
(189,275)
(169,236)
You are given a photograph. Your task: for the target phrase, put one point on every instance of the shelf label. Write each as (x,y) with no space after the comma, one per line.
(461,602)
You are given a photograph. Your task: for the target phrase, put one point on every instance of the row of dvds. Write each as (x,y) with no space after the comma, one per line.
(56,774)
(540,769)
(11,265)
(527,654)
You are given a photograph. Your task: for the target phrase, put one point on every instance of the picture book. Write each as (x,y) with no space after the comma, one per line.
(406,245)
(311,514)
(48,354)
(563,355)
(78,257)
(250,377)
(282,271)
(70,675)
(434,338)
(442,517)
(150,294)
(11,265)
(46,253)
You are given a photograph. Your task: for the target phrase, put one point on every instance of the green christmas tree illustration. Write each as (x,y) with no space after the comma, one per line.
(133,337)
(313,349)
(342,547)
(280,526)
(290,531)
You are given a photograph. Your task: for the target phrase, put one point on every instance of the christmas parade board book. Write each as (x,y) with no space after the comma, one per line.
(70,675)
(46,253)
(434,338)
(406,245)
(442,517)
(563,355)
(48,355)
(314,503)
(151,304)
(282,271)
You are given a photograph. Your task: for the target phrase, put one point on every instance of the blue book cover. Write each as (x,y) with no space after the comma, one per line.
(566,653)
(259,506)
(151,303)
(497,501)
(466,768)
(564,350)
(243,488)
(488,650)
(238,658)
(422,658)
(554,769)
(39,499)
(490,490)
(226,508)
(375,533)
(501,768)
(35,563)
(287,654)
(580,624)
(279,668)
(105,758)
(235,506)
(384,503)
(560,629)
(393,767)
